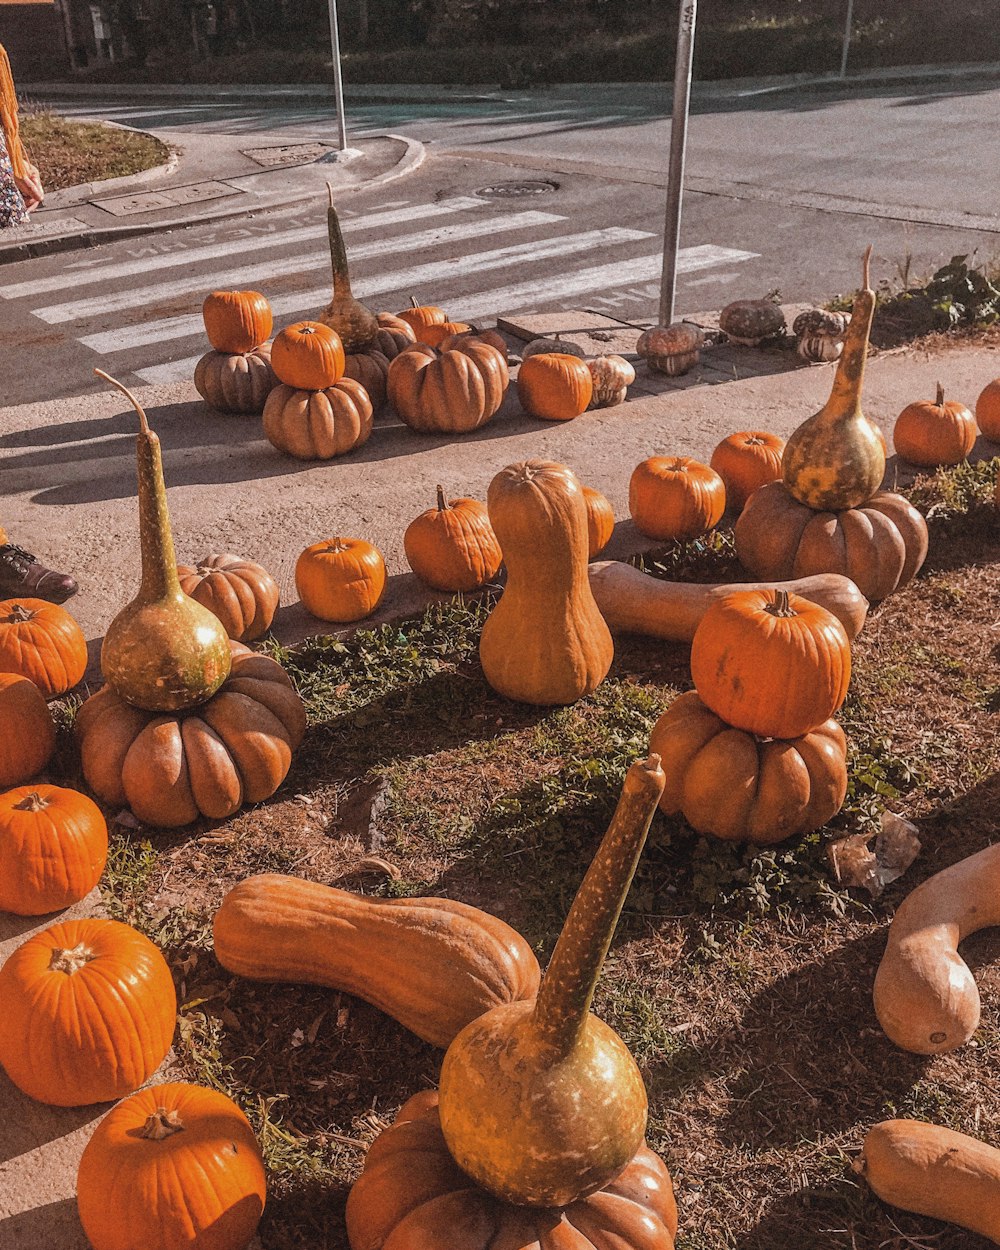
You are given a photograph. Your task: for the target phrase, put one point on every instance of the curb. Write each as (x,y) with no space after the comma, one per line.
(79,194)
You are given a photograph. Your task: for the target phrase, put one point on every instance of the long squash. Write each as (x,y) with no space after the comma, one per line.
(633,602)
(430,963)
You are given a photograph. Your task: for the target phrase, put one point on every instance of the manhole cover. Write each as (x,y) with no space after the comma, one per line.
(527,186)
(290,154)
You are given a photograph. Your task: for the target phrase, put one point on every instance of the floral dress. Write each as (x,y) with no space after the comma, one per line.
(13,158)
(11,204)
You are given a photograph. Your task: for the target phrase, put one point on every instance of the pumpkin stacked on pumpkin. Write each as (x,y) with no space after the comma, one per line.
(829,513)
(236,375)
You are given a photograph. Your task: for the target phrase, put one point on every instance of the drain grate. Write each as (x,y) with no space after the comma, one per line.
(526,186)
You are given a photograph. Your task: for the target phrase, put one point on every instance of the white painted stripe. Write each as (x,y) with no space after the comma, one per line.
(434,273)
(243,240)
(238,278)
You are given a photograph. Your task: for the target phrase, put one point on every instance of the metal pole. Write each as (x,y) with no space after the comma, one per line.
(847,38)
(338,82)
(678,144)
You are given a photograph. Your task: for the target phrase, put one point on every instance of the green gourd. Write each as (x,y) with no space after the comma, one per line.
(163,651)
(541,1102)
(835,460)
(353,321)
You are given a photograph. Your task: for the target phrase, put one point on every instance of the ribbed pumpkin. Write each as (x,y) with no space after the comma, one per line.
(541,1102)
(834,460)
(236,383)
(354,322)
(879,546)
(819,335)
(745,461)
(236,321)
(600,521)
(734,786)
(394,335)
(411,1193)
(308,356)
(492,337)
(371,369)
(452,392)
(752,322)
(53,848)
(675,498)
(453,547)
(547,346)
(988,411)
(29,732)
(419,316)
(545,642)
(207,761)
(934,434)
(88,1012)
(554,386)
(672,349)
(611,376)
(242,594)
(42,642)
(771,663)
(340,579)
(438,335)
(176,1165)
(321,424)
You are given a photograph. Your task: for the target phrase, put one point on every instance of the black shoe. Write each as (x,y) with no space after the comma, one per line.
(21,575)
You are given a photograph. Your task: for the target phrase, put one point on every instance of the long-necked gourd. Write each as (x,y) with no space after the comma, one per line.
(541,1102)
(545,642)
(163,651)
(353,321)
(835,460)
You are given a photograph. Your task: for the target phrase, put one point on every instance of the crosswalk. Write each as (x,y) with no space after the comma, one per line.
(141,313)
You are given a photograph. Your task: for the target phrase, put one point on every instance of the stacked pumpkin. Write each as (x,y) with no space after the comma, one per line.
(829,513)
(236,375)
(753,754)
(189,722)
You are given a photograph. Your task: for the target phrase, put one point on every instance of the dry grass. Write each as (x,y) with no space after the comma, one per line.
(68,153)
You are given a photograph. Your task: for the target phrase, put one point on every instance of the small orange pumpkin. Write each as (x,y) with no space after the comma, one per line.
(236,321)
(318,424)
(340,579)
(394,335)
(452,392)
(242,594)
(934,434)
(988,411)
(53,848)
(42,642)
(453,547)
(308,356)
(419,316)
(434,336)
(554,386)
(28,737)
(745,461)
(675,498)
(600,521)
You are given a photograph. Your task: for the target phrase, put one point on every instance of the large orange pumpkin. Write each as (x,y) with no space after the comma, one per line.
(734,786)
(555,386)
(340,579)
(173,1166)
(450,392)
(88,1012)
(308,356)
(771,663)
(236,321)
(933,434)
(453,547)
(745,461)
(53,848)
(988,410)
(318,424)
(28,737)
(675,497)
(42,642)
(242,594)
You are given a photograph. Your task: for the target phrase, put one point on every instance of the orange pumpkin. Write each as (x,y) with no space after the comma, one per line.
(492,337)
(173,1166)
(675,498)
(451,392)
(988,411)
(340,579)
(729,784)
(236,321)
(371,370)
(771,663)
(88,1012)
(42,642)
(29,732)
(308,356)
(419,316)
(242,594)
(453,547)
(933,434)
(318,424)
(53,848)
(436,335)
(394,335)
(600,521)
(555,386)
(745,461)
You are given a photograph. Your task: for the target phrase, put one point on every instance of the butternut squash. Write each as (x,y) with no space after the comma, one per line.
(430,963)
(926,998)
(635,603)
(934,1171)
(545,642)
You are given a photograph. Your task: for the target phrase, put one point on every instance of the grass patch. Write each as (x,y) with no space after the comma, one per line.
(68,152)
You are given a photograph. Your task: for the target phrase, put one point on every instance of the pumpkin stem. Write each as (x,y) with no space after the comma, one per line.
(413,302)
(162,1124)
(845,396)
(442,502)
(781,605)
(32,802)
(567,988)
(338,251)
(143,423)
(70,960)
(18,613)
(939,402)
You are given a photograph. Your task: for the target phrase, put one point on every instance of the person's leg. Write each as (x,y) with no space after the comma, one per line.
(22,576)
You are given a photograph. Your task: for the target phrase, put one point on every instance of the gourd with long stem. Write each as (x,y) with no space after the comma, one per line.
(835,460)
(353,321)
(163,651)
(541,1102)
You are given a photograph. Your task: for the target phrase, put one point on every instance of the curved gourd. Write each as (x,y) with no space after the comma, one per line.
(354,322)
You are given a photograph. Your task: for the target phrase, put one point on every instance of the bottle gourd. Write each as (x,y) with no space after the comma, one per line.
(835,460)
(541,1102)
(353,321)
(163,651)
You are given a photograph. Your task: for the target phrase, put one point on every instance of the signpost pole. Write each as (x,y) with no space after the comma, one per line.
(678,145)
(338,81)
(847,38)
